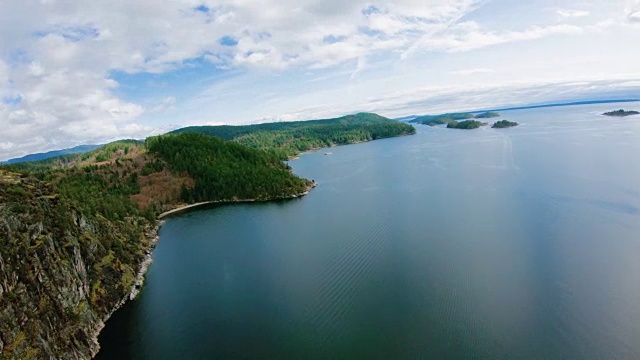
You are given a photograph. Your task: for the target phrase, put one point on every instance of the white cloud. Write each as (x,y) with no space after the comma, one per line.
(4,73)
(57,58)
(441,99)
(632,10)
(466,72)
(569,13)
(469,36)
(164,105)
(65,108)
(60,54)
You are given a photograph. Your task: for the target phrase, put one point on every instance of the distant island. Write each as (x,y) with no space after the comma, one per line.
(453,120)
(504,124)
(433,120)
(621,113)
(487,115)
(465,125)
(456,120)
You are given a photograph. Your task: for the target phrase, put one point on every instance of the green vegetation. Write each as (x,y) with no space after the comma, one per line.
(60,237)
(451,120)
(100,190)
(76,228)
(504,124)
(105,153)
(621,113)
(465,125)
(286,139)
(433,120)
(224,170)
(487,115)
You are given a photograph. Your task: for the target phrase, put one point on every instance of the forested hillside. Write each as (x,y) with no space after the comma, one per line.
(121,149)
(76,230)
(224,170)
(287,139)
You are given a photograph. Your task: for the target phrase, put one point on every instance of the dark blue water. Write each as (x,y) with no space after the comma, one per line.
(519,243)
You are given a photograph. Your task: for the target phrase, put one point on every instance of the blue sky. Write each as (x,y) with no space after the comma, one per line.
(75,72)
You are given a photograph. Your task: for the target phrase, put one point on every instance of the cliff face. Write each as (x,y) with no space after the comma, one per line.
(62,271)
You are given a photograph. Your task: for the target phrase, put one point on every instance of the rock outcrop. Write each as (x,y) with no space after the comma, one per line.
(62,271)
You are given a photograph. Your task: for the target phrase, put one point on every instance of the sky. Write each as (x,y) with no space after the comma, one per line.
(86,72)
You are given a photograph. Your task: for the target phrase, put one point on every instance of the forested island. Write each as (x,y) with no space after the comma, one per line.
(465,125)
(77,230)
(455,120)
(504,124)
(487,115)
(621,113)
(443,119)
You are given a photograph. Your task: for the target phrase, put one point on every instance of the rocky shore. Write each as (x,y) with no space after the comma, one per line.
(135,288)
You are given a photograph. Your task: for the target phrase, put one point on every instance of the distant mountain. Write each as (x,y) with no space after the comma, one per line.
(46,155)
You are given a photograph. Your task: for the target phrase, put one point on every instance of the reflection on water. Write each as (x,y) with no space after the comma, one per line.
(512,243)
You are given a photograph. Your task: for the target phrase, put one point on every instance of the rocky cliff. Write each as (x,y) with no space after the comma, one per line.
(62,270)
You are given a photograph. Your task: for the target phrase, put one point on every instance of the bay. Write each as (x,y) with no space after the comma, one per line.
(489,243)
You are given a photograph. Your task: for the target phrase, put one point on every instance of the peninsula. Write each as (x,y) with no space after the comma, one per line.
(78,229)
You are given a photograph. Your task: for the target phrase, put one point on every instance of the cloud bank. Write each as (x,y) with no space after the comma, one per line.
(59,59)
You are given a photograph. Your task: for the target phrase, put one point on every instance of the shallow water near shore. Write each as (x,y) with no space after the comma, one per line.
(489,243)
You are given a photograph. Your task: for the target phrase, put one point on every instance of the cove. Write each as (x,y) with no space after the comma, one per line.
(486,243)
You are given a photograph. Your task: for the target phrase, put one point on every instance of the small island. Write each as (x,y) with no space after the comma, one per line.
(433,120)
(621,113)
(465,125)
(504,124)
(487,115)
(453,120)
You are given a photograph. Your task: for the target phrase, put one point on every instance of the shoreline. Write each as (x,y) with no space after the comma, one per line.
(312,150)
(136,287)
(154,237)
(183,208)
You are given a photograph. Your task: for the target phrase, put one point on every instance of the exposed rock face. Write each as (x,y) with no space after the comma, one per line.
(62,273)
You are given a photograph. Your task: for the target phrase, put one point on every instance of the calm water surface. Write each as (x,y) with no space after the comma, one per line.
(519,243)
